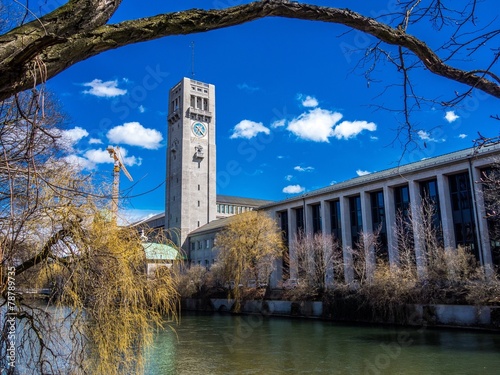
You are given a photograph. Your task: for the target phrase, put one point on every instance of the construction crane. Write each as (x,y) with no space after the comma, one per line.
(114,153)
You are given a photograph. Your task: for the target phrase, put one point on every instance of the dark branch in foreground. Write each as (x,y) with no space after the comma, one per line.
(39,50)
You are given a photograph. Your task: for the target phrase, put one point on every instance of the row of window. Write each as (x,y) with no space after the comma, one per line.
(206,263)
(199,103)
(196,102)
(460,194)
(232,209)
(199,245)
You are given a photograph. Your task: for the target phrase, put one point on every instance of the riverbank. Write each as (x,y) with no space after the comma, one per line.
(429,315)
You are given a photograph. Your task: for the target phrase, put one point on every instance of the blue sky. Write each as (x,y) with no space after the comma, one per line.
(294,109)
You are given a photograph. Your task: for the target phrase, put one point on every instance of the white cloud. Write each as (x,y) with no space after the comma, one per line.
(293,189)
(246,87)
(95,141)
(79,162)
(71,137)
(288,177)
(319,125)
(248,129)
(462,136)
(141,109)
(350,129)
(303,169)
(100,156)
(74,135)
(108,89)
(359,172)
(373,137)
(278,123)
(451,116)
(315,125)
(310,101)
(426,136)
(134,134)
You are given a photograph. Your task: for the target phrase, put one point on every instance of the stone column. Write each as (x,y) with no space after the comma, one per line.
(446,212)
(390,222)
(482,232)
(366,216)
(416,217)
(346,239)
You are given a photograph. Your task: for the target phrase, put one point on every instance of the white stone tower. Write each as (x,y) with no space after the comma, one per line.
(190,199)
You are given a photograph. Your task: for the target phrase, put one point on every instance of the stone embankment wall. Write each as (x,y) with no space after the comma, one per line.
(414,315)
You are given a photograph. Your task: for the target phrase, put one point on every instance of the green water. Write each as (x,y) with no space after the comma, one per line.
(225,344)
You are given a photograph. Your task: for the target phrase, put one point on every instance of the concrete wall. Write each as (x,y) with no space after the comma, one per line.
(487,317)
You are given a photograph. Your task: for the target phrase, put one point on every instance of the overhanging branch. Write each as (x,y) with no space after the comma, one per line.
(86,42)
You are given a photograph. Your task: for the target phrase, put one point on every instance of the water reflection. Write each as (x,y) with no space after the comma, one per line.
(224,344)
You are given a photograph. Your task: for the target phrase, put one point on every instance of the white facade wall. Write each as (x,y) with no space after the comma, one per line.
(440,168)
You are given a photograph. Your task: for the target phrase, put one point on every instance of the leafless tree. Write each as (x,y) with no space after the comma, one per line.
(318,261)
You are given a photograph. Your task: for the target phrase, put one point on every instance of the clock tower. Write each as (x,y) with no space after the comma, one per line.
(190,199)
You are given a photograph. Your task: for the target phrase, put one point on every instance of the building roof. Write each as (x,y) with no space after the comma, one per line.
(227,199)
(159,251)
(397,171)
(214,225)
(240,201)
(148,219)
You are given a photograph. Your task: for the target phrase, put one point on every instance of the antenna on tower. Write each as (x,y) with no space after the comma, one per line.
(192,59)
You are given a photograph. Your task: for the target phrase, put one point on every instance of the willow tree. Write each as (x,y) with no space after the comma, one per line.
(55,233)
(248,248)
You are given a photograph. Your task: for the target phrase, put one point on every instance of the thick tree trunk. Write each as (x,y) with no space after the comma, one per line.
(36,52)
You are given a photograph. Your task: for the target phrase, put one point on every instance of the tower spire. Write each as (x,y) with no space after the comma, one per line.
(192,59)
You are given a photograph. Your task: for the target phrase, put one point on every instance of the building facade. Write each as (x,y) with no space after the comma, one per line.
(190,197)
(374,202)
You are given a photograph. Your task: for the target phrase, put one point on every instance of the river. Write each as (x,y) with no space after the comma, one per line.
(225,344)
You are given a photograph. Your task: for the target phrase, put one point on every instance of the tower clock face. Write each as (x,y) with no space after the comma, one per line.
(199,129)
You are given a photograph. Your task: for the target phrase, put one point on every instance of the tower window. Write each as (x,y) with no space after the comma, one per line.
(198,203)
(198,186)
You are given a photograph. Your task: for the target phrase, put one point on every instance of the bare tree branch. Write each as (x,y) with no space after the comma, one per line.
(31,54)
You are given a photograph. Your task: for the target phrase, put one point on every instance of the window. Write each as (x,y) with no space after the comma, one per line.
(356,219)
(378,221)
(299,215)
(335,220)
(402,200)
(198,203)
(429,194)
(316,218)
(463,215)
(208,244)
